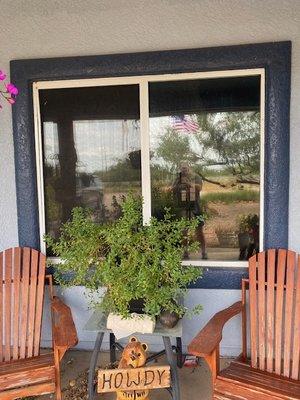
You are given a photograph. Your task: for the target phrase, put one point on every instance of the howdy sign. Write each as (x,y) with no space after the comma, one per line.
(112,380)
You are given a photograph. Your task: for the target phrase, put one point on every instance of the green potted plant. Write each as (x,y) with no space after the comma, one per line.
(247,225)
(133,261)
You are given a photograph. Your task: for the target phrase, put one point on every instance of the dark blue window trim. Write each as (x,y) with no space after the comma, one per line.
(274,57)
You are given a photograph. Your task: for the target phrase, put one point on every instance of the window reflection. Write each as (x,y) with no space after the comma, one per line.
(204,156)
(205,161)
(91,154)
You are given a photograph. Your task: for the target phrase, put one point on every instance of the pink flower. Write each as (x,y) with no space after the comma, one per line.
(11,101)
(2,75)
(12,89)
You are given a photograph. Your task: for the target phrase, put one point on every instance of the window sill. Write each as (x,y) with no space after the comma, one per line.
(195,263)
(216,275)
(216,264)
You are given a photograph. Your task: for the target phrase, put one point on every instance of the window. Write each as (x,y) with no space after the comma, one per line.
(189,142)
(91,151)
(205,161)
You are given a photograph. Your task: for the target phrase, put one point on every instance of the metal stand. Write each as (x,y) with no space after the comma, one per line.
(93,363)
(180,356)
(112,348)
(175,389)
(175,361)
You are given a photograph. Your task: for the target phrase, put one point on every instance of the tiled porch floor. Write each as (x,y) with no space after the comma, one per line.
(195,384)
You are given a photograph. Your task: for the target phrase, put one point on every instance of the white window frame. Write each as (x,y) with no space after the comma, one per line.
(143,82)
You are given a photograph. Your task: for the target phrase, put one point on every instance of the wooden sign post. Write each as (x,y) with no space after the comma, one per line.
(113,380)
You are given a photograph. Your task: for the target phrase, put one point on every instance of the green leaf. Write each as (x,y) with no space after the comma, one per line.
(131,260)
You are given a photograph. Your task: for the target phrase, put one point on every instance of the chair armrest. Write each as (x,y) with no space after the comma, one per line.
(63,327)
(210,336)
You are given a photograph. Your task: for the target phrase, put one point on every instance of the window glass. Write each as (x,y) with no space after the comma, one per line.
(91,150)
(205,161)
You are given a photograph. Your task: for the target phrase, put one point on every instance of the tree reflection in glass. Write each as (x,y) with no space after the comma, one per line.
(205,161)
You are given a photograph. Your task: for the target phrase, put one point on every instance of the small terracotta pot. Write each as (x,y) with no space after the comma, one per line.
(168,319)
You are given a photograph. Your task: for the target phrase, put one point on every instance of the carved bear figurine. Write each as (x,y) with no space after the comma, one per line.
(133,356)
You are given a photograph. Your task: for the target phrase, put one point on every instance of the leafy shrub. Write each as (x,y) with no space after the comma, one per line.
(132,260)
(247,222)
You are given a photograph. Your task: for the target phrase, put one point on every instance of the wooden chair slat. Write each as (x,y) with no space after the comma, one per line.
(31,363)
(16,290)
(253,309)
(260,383)
(32,301)
(281,268)
(23,371)
(270,310)
(34,390)
(289,300)
(39,303)
(1,307)
(31,372)
(7,300)
(296,340)
(261,309)
(244,318)
(274,302)
(24,300)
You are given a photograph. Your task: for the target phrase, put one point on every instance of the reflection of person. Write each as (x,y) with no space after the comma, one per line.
(254,245)
(187,188)
(249,238)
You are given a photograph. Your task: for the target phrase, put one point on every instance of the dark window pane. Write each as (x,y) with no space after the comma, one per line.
(91,150)
(205,160)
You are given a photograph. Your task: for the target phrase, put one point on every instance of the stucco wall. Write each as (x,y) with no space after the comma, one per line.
(212,300)
(38,28)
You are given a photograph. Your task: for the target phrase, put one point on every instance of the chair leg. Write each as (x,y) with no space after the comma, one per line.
(57,375)
(213,361)
(58,386)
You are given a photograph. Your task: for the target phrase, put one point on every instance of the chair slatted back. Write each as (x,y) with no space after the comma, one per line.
(22,277)
(274,302)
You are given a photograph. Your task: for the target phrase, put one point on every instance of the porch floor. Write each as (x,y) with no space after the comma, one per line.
(194,383)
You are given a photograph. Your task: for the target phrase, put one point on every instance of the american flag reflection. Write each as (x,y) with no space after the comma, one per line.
(184,123)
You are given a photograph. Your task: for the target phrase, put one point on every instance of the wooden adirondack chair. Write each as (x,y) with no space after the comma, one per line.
(24,371)
(272,295)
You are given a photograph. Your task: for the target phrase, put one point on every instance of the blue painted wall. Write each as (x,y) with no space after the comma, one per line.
(274,57)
